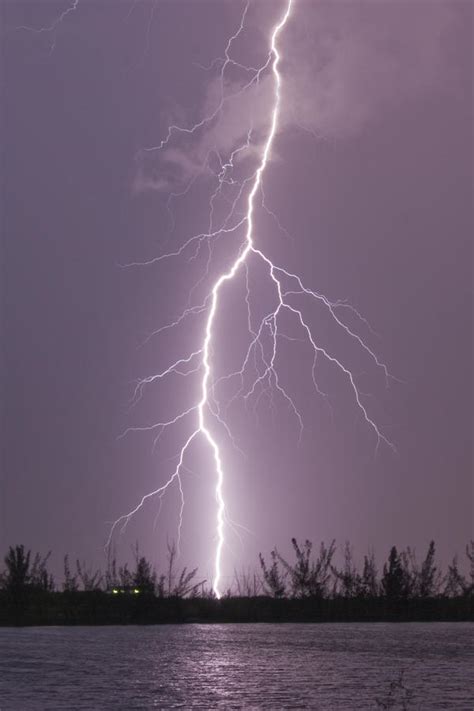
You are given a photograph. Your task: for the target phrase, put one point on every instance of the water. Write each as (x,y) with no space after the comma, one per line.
(332,667)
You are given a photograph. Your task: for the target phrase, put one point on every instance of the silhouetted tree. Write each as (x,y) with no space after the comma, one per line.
(455,583)
(161,586)
(420,581)
(112,579)
(125,577)
(185,585)
(70,580)
(273,579)
(411,573)
(178,585)
(470,557)
(300,573)
(23,580)
(393,578)
(309,578)
(91,579)
(247,583)
(369,583)
(21,573)
(429,580)
(349,580)
(17,563)
(144,577)
(171,555)
(40,578)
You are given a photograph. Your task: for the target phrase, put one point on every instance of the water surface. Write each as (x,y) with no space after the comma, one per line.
(332,667)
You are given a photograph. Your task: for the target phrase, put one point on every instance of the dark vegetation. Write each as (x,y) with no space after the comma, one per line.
(309,588)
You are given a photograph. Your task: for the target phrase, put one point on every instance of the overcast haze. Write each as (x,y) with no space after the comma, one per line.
(371,177)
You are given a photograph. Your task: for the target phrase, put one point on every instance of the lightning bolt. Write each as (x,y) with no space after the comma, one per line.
(288,288)
(53,26)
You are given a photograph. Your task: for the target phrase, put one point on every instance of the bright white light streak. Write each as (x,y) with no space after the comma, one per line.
(266,381)
(215,295)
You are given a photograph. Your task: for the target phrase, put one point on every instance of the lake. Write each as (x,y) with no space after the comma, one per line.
(330,667)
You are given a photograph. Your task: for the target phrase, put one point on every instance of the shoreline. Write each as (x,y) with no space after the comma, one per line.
(98,608)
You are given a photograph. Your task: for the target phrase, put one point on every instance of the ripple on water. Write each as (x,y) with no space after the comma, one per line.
(331,667)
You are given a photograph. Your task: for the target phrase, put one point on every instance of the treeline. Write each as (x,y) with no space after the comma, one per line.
(402,578)
(310,587)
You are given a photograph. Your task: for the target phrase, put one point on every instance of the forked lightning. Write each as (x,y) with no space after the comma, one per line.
(206,410)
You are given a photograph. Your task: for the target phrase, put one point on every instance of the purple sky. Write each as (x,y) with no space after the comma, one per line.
(372,178)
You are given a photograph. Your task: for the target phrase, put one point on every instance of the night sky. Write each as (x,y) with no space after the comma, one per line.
(371,177)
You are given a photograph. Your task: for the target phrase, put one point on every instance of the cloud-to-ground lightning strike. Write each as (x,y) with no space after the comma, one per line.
(287,287)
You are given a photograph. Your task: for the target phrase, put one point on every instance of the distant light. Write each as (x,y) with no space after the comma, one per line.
(115,591)
(136,591)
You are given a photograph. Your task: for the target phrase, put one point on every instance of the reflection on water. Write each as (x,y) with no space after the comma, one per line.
(268,666)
